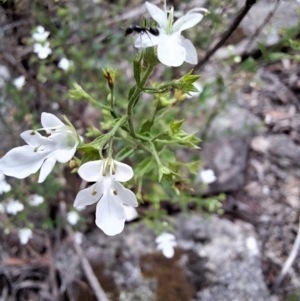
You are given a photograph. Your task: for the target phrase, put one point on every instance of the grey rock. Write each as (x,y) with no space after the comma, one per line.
(215,260)
(282,146)
(235,121)
(227,157)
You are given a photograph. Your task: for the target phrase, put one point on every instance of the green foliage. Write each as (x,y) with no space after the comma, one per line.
(294,297)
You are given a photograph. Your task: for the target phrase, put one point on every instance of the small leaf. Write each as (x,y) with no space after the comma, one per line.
(124,153)
(144,167)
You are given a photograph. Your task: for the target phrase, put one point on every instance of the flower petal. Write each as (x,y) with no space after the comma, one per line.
(49,120)
(22,161)
(35,139)
(157,14)
(123,172)
(165,236)
(65,145)
(89,195)
(110,214)
(125,195)
(168,251)
(187,21)
(46,168)
(131,213)
(148,40)
(191,52)
(171,53)
(91,171)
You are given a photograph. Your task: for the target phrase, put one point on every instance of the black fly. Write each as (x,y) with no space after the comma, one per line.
(141,30)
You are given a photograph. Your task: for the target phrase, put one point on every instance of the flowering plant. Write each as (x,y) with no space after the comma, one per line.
(147,144)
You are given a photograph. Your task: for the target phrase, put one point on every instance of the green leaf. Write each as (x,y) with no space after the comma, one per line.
(77,92)
(124,153)
(144,167)
(93,132)
(175,126)
(91,155)
(146,126)
(249,65)
(263,49)
(276,56)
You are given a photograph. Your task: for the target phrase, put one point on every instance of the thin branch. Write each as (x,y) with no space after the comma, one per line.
(262,26)
(227,33)
(87,269)
(290,260)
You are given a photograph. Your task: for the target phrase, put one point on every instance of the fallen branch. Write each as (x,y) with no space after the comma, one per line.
(87,269)
(290,260)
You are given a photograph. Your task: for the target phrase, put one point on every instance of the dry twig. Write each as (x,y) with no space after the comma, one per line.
(262,26)
(87,269)
(290,260)
(227,33)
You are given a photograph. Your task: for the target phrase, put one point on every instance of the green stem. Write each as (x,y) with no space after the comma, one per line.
(112,99)
(96,103)
(155,154)
(134,99)
(110,148)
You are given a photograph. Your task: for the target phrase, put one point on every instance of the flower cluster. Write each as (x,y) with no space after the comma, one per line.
(60,144)
(12,207)
(41,46)
(172,48)
(4,186)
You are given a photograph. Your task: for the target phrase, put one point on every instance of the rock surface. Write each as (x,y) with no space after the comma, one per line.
(215,260)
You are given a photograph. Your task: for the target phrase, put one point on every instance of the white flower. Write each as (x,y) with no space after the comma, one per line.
(64,64)
(36,200)
(19,82)
(42,152)
(207,176)
(42,50)
(108,192)
(13,207)
(4,186)
(131,213)
(78,237)
(72,218)
(172,48)
(166,243)
(40,35)
(24,235)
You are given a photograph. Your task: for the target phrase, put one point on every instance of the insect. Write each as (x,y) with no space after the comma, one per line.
(141,30)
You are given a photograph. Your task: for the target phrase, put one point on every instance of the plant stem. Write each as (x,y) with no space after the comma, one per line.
(134,99)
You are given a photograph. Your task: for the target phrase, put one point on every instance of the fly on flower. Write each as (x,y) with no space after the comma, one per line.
(172,48)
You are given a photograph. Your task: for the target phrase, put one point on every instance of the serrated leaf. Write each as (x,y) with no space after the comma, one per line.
(175,126)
